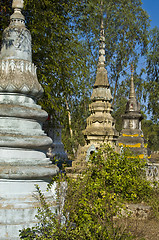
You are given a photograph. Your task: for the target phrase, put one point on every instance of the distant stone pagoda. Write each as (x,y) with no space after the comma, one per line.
(56,151)
(100,124)
(23,143)
(131,135)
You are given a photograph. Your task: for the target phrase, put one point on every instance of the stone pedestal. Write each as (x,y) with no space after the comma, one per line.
(23,143)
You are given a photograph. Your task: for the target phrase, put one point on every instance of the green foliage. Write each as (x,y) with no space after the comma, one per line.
(152,83)
(119,110)
(121,174)
(94,198)
(151,134)
(5,12)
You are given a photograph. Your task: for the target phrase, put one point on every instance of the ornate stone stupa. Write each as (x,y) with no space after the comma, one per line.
(100,124)
(23,143)
(131,135)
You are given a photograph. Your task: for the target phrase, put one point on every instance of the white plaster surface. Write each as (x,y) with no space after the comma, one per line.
(18,200)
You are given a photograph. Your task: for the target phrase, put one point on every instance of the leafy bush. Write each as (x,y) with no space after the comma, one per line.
(93,199)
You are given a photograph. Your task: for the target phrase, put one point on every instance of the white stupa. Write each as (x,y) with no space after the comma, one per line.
(23,143)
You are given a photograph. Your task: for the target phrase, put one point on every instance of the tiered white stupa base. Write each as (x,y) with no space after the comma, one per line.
(23,162)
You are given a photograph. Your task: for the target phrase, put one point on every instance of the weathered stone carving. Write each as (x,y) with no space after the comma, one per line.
(19,76)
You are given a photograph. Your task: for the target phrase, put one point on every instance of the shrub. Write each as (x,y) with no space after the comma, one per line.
(93,199)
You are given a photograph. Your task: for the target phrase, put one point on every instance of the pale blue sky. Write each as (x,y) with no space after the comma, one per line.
(152,8)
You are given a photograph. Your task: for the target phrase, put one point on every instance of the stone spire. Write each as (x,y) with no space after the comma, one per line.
(101,75)
(23,143)
(131,135)
(132,89)
(132,104)
(100,124)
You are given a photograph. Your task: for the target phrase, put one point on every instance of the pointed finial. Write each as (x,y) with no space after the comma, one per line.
(101,61)
(101,75)
(132,89)
(132,68)
(17,18)
(18,4)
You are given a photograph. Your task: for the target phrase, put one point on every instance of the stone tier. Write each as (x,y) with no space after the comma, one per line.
(101,77)
(133,138)
(132,115)
(23,143)
(101,93)
(100,106)
(98,131)
(103,118)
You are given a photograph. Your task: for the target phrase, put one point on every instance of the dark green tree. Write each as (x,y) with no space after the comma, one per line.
(152,83)
(5,12)
(151,134)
